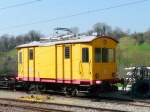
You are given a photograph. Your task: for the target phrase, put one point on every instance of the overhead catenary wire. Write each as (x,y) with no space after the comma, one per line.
(73,15)
(19,4)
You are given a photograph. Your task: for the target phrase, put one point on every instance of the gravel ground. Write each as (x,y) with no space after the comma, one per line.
(76,101)
(12,94)
(14,109)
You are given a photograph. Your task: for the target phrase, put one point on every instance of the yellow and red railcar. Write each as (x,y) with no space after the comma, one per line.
(72,63)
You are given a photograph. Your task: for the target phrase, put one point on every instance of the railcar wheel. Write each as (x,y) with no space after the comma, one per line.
(71,91)
(33,89)
(75,92)
(41,88)
(67,91)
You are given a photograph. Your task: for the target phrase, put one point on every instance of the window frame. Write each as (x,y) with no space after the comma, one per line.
(107,57)
(67,52)
(113,58)
(105,54)
(85,55)
(31,54)
(95,58)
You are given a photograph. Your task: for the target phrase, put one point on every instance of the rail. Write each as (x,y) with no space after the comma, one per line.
(53,106)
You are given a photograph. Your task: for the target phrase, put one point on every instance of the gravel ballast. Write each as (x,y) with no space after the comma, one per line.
(82,102)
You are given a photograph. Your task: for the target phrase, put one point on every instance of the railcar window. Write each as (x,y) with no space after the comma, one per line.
(85,55)
(20,57)
(107,55)
(67,52)
(104,55)
(98,55)
(31,54)
(111,55)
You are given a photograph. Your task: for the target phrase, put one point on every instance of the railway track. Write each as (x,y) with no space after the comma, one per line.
(31,108)
(135,103)
(50,107)
(118,101)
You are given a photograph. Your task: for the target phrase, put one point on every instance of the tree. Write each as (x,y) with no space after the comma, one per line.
(146,37)
(5,43)
(102,29)
(139,37)
(90,32)
(33,35)
(118,33)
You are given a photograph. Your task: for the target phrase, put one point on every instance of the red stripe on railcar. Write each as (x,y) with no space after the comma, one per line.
(66,81)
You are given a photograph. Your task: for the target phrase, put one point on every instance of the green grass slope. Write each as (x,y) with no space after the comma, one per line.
(129,53)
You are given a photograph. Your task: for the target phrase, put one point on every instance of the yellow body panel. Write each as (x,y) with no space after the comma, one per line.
(76,62)
(49,62)
(42,62)
(22,67)
(68,64)
(103,71)
(86,68)
(31,65)
(52,61)
(60,66)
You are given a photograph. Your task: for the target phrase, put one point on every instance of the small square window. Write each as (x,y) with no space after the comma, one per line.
(67,52)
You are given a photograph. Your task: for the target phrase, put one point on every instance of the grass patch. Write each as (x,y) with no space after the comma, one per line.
(144,47)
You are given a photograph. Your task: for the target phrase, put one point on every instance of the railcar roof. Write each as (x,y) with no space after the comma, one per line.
(81,40)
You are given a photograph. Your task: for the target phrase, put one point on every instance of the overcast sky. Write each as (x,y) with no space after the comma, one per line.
(134,17)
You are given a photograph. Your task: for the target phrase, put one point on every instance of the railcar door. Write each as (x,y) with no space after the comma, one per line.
(60,65)
(86,65)
(20,64)
(67,64)
(31,69)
